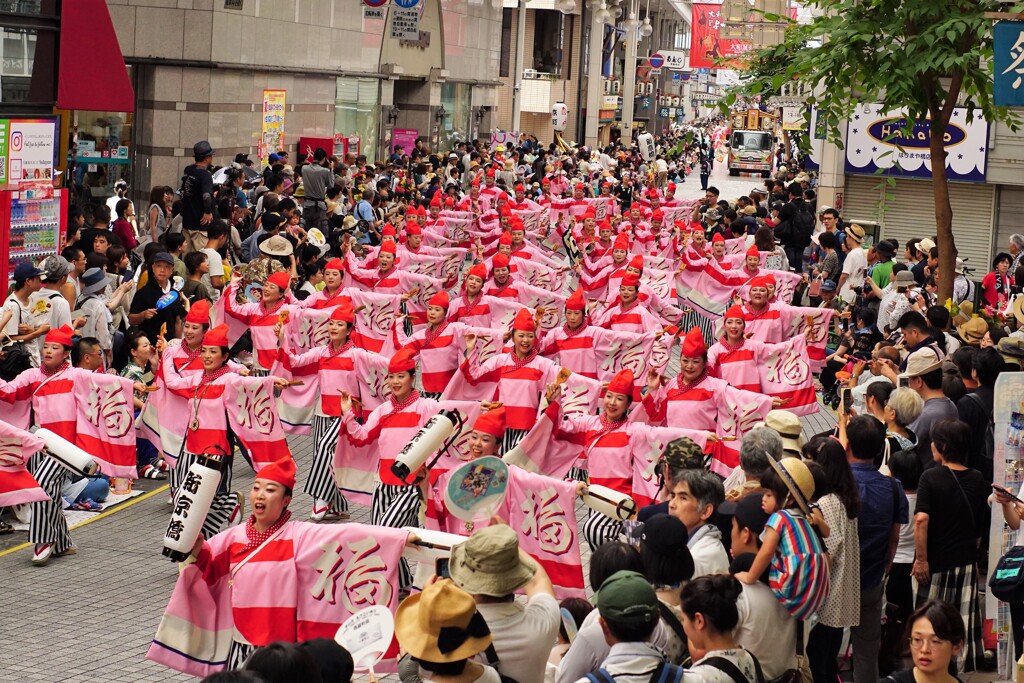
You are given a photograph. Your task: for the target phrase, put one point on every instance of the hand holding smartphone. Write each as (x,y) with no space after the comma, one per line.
(1006,492)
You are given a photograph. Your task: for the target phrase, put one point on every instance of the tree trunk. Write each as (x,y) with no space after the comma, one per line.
(943,209)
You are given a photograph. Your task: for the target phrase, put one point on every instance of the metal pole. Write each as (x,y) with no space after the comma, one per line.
(629,82)
(595,79)
(517,88)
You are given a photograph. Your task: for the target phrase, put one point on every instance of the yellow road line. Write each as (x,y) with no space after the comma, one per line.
(106,513)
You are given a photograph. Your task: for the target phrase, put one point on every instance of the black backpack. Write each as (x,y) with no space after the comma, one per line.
(990,428)
(1007,580)
(802,225)
(665,672)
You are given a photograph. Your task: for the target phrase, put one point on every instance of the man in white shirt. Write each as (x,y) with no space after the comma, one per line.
(48,305)
(693,499)
(217,236)
(856,264)
(765,627)
(491,567)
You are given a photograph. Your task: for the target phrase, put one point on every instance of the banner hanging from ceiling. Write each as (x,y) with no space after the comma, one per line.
(706,43)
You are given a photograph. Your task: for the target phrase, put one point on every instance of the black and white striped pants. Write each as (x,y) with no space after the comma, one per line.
(224,501)
(237,654)
(512,437)
(577,473)
(600,529)
(706,325)
(397,507)
(49,525)
(321,483)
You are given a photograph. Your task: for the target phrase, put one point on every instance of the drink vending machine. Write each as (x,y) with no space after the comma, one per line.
(33,224)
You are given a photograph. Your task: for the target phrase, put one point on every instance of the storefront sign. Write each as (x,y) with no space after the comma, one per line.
(792,118)
(375,13)
(406,137)
(4,123)
(675,60)
(706,45)
(30,144)
(610,102)
(405,23)
(272,137)
(1008,71)
(875,138)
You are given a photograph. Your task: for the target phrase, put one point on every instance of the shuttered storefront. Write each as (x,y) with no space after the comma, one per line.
(1009,215)
(910,212)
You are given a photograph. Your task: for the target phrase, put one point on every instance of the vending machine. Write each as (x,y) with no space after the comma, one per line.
(33,224)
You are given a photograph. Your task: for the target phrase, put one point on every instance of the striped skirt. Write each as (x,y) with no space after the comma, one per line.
(397,507)
(959,587)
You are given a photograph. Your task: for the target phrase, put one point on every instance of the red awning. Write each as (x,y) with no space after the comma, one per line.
(92,74)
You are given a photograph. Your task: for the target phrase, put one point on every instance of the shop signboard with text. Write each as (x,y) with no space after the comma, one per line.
(272,134)
(406,137)
(706,44)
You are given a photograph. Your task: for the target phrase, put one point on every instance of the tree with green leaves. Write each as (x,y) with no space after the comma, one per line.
(924,56)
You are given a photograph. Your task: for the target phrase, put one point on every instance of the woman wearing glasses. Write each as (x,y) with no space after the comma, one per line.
(936,633)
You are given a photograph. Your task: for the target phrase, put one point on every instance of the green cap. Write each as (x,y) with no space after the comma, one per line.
(684,454)
(627,598)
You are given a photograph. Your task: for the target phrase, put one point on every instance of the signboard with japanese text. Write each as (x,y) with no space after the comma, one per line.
(874,140)
(405,23)
(406,137)
(1008,67)
(675,60)
(272,134)
(706,43)
(792,118)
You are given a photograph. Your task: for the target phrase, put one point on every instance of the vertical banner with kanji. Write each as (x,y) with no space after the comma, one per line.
(272,134)
(706,45)
(1008,55)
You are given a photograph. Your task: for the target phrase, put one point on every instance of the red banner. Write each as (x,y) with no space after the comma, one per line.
(706,45)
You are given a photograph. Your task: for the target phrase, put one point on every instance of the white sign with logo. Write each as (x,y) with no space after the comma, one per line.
(675,60)
(30,150)
(878,141)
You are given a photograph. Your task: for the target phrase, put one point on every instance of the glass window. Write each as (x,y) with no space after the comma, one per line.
(505,53)
(550,36)
(455,98)
(356,110)
(103,151)
(28,53)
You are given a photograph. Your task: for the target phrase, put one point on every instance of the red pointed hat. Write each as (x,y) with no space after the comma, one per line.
(590,212)
(344,313)
(499,261)
(734,312)
(762,281)
(281,279)
(421,211)
(449,201)
(693,344)
(517,223)
(718,238)
(524,321)
(413,229)
(436,201)
(388,248)
(657,214)
(439,299)
(335,264)
(621,242)
(475,183)
(216,336)
(388,231)
(671,188)
(637,262)
(519,188)
(575,302)
(622,383)
(62,335)
(506,239)
(491,422)
(605,225)
(199,313)
(478,270)
(505,210)
(630,280)
(404,360)
(753,251)
(281,471)
(490,172)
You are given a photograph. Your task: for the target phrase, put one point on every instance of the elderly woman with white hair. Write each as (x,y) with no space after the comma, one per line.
(1016,249)
(757,446)
(898,409)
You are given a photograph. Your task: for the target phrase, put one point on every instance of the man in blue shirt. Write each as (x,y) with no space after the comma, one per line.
(363,211)
(883,507)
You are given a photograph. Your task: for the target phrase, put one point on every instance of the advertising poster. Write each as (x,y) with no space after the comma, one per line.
(874,140)
(706,45)
(272,136)
(4,123)
(406,137)
(30,146)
